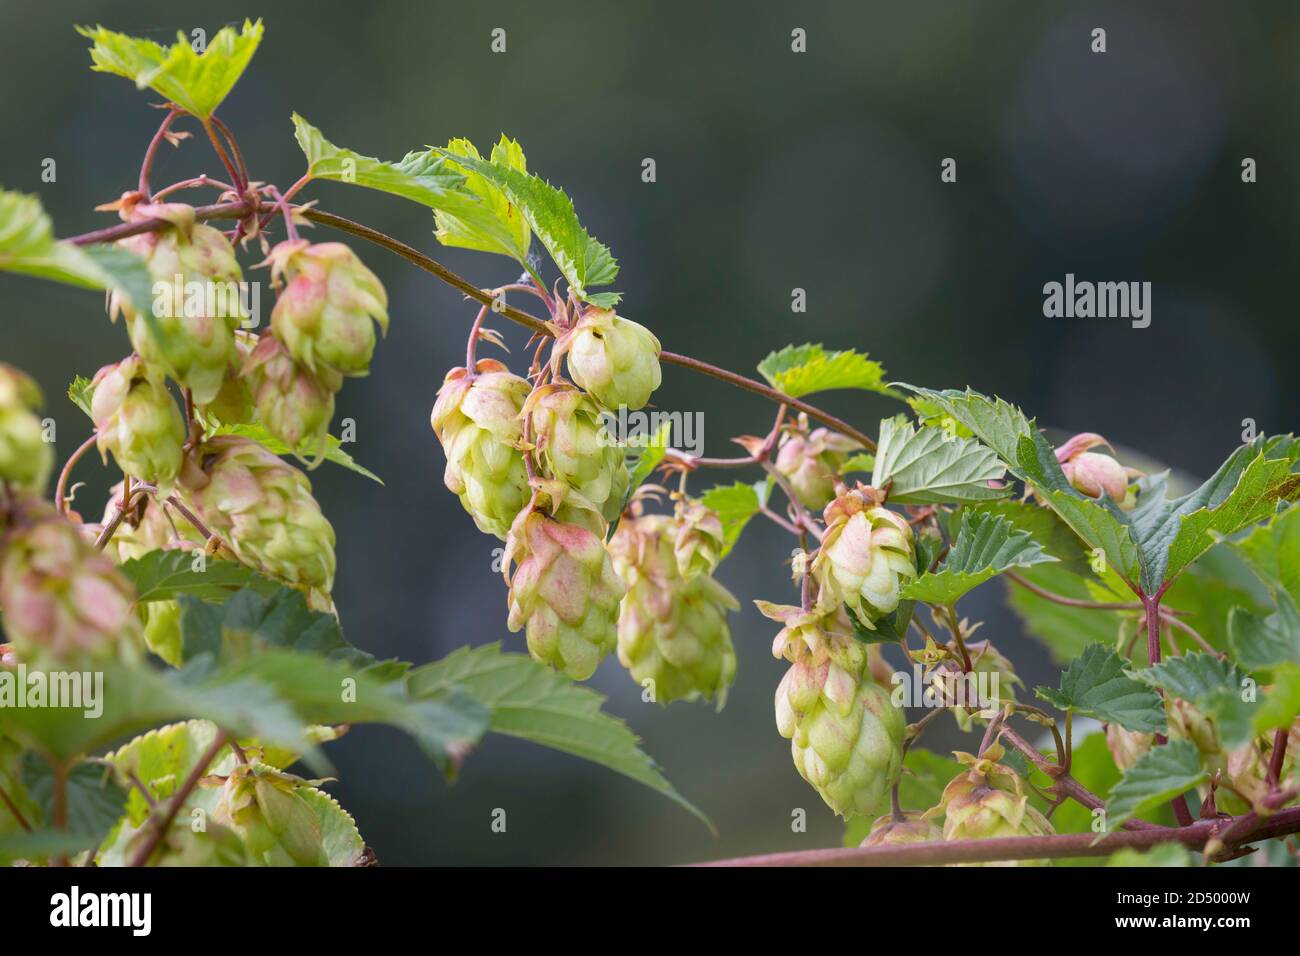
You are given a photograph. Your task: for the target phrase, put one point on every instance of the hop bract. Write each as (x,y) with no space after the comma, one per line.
(613,358)
(1091,473)
(846,735)
(328,308)
(698,538)
(25,456)
(573,446)
(196,306)
(564,591)
(58,594)
(866,557)
(138,421)
(477,419)
(278,827)
(672,629)
(886,831)
(294,403)
(810,461)
(263,510)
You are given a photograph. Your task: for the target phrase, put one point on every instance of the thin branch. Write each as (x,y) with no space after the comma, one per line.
(13,808)
(160,828)
(152,151)
(60,488)
(1055,598)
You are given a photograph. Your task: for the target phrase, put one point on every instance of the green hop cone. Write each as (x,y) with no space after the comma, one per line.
(913,828)
(573,446)
(1187,722)
(613,358)
(811,460)
(990,800)
(866,557)
(278,827)
(478,422)
(58,594)
(564,591)
(196,306)
(25,456)
(1126,745)
(672,630)
(845,733)
(233,404)
(138,421)
(295,404)
(263,510)
(327,311)
(697,538)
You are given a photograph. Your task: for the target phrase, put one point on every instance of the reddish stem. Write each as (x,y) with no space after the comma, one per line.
(152,151)
(160,828)
(61,487)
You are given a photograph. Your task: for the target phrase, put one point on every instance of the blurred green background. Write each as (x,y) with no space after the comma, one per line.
(775,171)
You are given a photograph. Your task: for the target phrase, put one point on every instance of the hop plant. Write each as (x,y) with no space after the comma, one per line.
(278,827)
(25,457)
(698,538)
(990,800)
(810,461)
(866,557)
(564,592)
(615,359)
(197,310)
(294,403)
(672,629)
(58,594)
(477,419)
(263,510)
(329,306)
(137,420)
(573,446)
(846,735)
(912,828)
(994,679)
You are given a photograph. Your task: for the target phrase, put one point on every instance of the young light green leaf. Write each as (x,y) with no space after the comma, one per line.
(1158,776)
(928,467)
(582,260)
(986,545)
(80,393)
(196,82)
(800,370)
(334,451)
(505,231)
(1260,642)
(1095,685)
(529,700)
(160,760)
(735,505)
(340,838)
(165,575)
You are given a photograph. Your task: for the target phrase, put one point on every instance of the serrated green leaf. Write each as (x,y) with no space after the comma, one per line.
(93,799)
(582,260)
(80,393)
(502,229)
(1096,685)
(529,700)
(160,760)
(1159,775)
(42,844)
(165,575)
(196,82)
(986,545)
(927,467)
(1281,705)
(1272,552)
(1212,685)
(1260,642)
(998,424)
(735,504)
(800,370)
(334,451)
(340,838)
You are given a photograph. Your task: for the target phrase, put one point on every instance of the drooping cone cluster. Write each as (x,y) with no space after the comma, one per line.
(478,421)
(25,456)
(698,538)
(138,421)
(564,591)
(991,800)
(913,828)
(198,307)
(278,827)
(263,510)
(812,460)
(58,594)
(613,358)
(295,404)
(327,311)
(846,735)
(672,629)
(1093,474)
(866,557)
(573,446)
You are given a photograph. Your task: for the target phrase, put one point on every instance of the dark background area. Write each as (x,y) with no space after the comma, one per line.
(776,170)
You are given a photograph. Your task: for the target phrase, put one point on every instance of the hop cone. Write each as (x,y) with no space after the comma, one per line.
(325,310)
(866,557)
(887,831)
(573,446)
(25,456)
(697,539)
(672,629)
(138,421)
(1093,474)
(845,733)
(1126,745)
(811,461)
(564,592)
(478,422)
(197,309)
(294,403)
(278,827)
(262,509)
(613,358)
(989,801)
(58,593)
